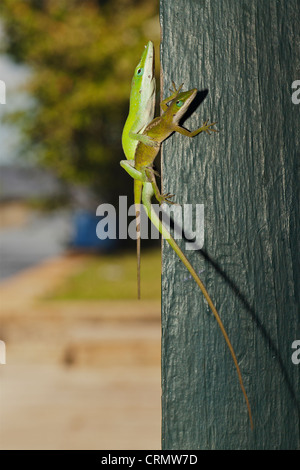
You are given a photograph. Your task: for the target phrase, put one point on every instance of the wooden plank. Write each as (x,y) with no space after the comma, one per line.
(246,56)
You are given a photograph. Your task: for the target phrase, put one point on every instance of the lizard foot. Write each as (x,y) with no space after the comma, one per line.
(208,127)
(165,198)
(174,88)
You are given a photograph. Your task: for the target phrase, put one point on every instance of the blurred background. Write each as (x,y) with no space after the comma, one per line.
(83,355)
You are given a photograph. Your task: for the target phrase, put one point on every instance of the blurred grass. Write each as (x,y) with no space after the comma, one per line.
(113,277)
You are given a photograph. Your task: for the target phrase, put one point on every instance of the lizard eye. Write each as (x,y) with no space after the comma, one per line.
(179,103)
(140,71)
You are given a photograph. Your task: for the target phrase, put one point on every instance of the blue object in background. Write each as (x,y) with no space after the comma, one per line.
(85,236)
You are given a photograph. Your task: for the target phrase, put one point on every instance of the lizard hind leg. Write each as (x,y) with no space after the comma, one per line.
(161,198)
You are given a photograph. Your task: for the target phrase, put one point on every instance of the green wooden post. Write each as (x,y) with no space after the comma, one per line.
(246,55)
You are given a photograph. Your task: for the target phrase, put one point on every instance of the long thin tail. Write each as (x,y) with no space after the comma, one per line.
(147,194)
(138,187)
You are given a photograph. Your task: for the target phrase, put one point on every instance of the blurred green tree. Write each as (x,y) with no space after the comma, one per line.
(82,55)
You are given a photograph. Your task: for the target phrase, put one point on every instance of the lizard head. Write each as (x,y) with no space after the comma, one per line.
(180,104)
(143,82)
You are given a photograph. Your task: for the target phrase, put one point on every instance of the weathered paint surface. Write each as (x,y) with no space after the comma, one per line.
(246,56)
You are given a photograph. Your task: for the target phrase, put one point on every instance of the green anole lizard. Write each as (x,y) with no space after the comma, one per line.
(141,169)
(141,112)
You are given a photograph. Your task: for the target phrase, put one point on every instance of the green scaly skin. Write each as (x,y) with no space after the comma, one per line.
(156,132)
(142,102)
(141,112)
